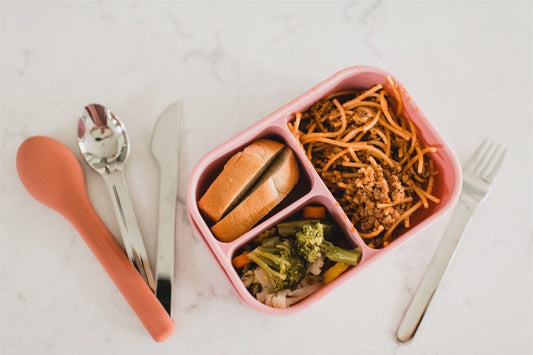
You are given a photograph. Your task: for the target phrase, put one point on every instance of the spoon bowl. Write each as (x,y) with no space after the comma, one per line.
(102,139)
(52,174)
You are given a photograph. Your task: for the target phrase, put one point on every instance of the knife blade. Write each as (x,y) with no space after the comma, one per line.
(165,149)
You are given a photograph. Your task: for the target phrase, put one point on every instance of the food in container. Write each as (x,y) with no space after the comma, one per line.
(311,189)
(290,261)
(238,175)
(368,153)
(252,183)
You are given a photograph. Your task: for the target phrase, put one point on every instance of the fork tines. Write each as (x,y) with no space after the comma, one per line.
(486,160)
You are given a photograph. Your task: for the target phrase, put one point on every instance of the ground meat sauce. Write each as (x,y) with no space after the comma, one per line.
(376,196)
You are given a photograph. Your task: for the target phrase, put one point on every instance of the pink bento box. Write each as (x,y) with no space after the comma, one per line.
(311,189)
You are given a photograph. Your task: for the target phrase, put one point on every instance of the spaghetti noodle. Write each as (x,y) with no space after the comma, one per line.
(370,156)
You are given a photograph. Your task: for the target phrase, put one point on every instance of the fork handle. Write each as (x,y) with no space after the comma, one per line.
(436,269)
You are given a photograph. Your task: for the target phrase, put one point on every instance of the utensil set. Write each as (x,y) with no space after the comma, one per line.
(52,174)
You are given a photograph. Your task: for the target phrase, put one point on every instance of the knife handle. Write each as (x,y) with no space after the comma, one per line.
(168,194)
(166,139)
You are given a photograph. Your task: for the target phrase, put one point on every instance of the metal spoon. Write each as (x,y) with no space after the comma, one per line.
(103,142)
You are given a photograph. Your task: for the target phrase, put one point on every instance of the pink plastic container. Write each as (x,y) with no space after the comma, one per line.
(311,189)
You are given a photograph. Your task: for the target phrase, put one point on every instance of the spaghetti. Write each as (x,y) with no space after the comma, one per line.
(370,156)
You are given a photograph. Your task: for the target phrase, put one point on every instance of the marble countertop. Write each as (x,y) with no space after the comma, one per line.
(467,64)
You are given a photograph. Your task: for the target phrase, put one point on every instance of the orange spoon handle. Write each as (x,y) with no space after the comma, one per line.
(127,279)
(52,174)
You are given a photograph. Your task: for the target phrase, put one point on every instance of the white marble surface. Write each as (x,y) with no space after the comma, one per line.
(468,65)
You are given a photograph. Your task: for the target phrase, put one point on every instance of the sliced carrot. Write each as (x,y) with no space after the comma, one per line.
(241,260)
(318,212)
(333,272)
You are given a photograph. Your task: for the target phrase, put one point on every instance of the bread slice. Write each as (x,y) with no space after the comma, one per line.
(276,183)
(238,176)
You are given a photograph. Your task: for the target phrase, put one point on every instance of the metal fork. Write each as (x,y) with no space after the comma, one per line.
(478,175)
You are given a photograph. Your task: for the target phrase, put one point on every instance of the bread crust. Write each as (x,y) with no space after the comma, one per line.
(238,175)
(271,189)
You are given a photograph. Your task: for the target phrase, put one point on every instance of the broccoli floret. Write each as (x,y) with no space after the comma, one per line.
(312,245)
(283,267)
(309,238)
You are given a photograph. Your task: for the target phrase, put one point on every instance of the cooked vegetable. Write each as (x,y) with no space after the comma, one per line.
(287,261)
(248,278)
(286,298)
(288,229)
(261,287)
(333,272)
(318,212)
(312,245)
(271,232)
(340,255)
(315,268)
(241,260)
(284,268)
(309,240)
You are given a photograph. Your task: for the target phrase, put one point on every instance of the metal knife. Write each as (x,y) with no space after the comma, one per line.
(165,149)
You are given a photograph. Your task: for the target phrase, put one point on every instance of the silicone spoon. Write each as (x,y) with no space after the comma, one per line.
(52,175)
